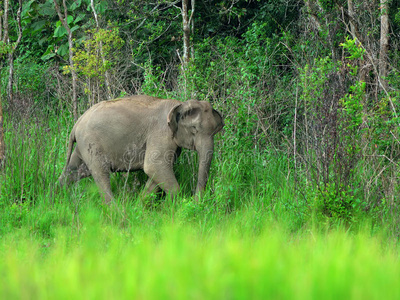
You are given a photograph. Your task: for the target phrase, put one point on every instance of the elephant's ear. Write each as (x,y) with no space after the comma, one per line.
(220,123)
(185,114)
(173,118)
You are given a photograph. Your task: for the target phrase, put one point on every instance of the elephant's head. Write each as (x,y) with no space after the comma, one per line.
(194,124)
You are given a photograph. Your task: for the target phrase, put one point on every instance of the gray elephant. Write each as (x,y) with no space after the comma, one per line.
(141,132)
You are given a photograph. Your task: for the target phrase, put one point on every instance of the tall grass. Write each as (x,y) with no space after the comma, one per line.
(36,156)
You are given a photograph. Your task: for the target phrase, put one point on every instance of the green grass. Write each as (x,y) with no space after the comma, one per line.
(183,262)
(251,235)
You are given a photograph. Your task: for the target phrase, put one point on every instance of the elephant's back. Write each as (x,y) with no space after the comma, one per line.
(138,101)
(139,113)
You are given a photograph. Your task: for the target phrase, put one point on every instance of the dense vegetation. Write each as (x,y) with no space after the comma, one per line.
(305,174)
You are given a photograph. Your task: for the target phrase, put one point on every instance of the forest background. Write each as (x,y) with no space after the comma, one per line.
(309,89)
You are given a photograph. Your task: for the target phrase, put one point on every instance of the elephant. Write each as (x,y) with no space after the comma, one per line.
(141,133)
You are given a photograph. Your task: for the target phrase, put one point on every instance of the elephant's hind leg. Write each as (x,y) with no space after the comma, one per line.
(101,176)
(75,170)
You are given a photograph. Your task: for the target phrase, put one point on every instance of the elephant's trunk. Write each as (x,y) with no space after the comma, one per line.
(205,150)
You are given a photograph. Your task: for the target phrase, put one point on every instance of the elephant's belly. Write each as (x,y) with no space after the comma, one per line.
(129,160)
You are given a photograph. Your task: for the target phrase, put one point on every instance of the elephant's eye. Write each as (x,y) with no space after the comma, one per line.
(193,129)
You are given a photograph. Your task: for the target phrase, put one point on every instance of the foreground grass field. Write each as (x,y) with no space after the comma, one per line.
(176,260)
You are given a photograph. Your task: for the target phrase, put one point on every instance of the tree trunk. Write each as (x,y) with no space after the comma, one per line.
(5,39)
(10,92)
(313,15)
(186,33)
(1,28)
(106,75)
(2,145)
(71,62)
(351,15)
(5,22)
(191,23)
(384,43)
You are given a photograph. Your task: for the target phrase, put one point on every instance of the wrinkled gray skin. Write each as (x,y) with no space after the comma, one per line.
(141,132)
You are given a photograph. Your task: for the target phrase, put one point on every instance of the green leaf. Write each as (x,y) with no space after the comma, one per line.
(76,4)
(60,31)
(70,19)
(47,9)
(48,56)
(79,18)
(38,25)
(42,41)
(101,7)
(63,50)
(49,53)
(26,8)
(75,28)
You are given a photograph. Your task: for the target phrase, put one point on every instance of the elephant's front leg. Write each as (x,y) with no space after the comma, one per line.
(159,168)
(151,187)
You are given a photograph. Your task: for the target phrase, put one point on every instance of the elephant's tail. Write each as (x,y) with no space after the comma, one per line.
(71,142)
